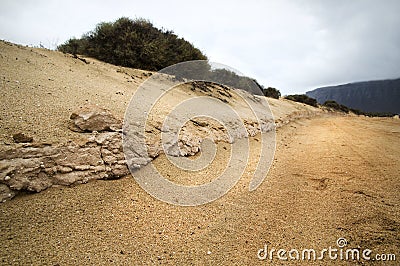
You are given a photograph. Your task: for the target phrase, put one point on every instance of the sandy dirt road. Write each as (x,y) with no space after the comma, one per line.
(332,177)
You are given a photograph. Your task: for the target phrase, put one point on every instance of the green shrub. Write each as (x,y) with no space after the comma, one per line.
(272,93)
(336,106)
(138,44)
(302,98)
(133,43)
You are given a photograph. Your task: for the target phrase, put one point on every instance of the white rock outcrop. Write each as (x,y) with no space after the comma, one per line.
(94,118)
(35,167)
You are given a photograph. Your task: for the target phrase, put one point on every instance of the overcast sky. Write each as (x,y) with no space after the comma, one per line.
(292,45)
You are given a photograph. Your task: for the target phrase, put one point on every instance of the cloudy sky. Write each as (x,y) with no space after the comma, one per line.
(292,45)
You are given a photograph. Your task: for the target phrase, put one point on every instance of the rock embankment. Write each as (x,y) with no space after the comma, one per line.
(35,167)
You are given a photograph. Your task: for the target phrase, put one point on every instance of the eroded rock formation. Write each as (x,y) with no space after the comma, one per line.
(35,167)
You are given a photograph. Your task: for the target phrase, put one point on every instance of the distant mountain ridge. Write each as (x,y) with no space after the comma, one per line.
(369,96)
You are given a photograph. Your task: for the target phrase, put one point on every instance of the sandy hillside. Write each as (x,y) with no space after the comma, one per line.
(40,89)
(332,177)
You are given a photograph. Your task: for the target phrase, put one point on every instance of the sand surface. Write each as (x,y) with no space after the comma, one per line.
(40,89)
(332,177)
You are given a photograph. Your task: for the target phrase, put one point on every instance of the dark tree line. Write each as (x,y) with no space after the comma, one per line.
(302,98)
(333,105)
(342,108)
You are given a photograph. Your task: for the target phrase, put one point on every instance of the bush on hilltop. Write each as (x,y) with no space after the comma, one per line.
(272,92)
(302,98)
(133,43)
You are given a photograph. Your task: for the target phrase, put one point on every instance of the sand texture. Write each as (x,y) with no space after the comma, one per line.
(333,176)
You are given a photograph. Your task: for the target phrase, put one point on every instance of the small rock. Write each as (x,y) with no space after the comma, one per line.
(22,138)
(199,123)
(94,118)
(208,252)
(6,193)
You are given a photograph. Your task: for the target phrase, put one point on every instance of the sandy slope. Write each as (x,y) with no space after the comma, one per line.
(327,181)
(332,177)
(40,89)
